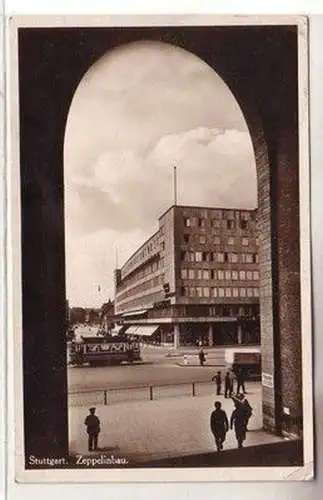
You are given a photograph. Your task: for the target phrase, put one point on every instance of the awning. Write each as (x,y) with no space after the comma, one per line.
(132,330)
(134,313)
(146,331)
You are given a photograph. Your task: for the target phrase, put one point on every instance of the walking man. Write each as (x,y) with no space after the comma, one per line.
(228,385)
(93,429)
(247,408)
(218,381)
(219,425)
(238,420)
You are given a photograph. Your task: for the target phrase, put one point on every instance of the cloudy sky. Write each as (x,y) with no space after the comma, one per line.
(140,110)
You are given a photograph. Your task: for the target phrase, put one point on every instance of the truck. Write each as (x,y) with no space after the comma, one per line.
(246,359)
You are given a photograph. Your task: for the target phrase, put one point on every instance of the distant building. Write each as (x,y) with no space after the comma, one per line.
(196,280)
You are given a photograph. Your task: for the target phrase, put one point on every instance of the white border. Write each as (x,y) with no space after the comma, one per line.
(14,261)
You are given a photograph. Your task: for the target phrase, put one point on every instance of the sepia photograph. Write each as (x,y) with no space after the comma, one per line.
(160,211)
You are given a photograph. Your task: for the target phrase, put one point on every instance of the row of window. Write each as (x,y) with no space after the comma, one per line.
(217,240)
(228,292)
(142,273)
(148,249)
(152,283)
(220,257)
(216,223)
(218,274)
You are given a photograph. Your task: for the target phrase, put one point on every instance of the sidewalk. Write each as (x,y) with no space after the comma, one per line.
(144,431)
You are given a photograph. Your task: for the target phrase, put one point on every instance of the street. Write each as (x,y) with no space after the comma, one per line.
(155,368)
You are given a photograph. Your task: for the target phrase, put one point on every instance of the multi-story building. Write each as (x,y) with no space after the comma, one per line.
(196,279)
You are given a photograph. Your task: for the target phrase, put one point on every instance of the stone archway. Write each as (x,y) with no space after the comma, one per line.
(259,65)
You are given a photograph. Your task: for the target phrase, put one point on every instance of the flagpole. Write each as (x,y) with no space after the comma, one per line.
(175,186)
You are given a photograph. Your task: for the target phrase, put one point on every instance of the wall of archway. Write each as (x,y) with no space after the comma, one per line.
(259,64)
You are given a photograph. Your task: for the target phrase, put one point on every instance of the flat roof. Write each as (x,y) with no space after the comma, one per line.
(199,207)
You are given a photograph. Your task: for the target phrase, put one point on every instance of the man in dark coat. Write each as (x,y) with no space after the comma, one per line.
(217,379)
(240,381)
(93,429)
(219,425)
(201,357)
(247,408)
(238,420)
(228,385)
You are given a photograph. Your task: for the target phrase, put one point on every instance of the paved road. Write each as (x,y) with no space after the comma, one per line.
(156,368)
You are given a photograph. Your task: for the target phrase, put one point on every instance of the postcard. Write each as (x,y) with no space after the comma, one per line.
(159,253)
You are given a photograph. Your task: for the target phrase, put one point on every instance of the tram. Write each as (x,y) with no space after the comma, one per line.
(102,350)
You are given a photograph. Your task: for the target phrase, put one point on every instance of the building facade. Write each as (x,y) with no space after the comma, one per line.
(196,279)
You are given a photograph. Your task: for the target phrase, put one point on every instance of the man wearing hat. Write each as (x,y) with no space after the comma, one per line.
(93,429)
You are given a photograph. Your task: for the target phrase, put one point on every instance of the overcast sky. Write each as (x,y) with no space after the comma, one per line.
(140,110)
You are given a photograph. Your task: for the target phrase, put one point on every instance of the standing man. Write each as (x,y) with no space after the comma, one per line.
(238,420)
(93,429)
(219,425)
(228,385)
(218,381)
(201,357)
(240,381)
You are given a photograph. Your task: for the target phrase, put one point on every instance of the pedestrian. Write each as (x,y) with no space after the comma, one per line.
(240,381)
(247,408)
(201,357)
(217,379)
(219,425)
(239,422)
(228,385)
(93,429)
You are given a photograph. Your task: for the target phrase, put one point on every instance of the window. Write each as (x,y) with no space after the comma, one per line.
(249,275)
(221,292)
(205,256)
(242,275)
(250,292)
(187,222)
(249,258)
(186,238)
(214,292)
(201,222)
(255,258)
(234,258)
(242,292)
(257,241)
(220,257)
(191,274)
(202,239)
(256,292)
(243,224)
(220,275)
(191,291)
(228,275)
(226,257)
(206,292)
(245,241)
(198,274)
(230,224)
(234,275)
(228,292)
(206,274)
(213,274)
(198,256)
(216,224)
(235,292)
(230,240)
(183,291)
(199,291)
(256,275)
(162,245)
(217,240)
(183,255)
